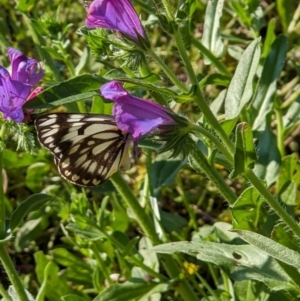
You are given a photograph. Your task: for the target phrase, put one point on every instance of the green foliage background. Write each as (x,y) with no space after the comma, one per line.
(77,244)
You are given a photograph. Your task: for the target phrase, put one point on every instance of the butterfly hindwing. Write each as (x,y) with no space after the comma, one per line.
(87,149)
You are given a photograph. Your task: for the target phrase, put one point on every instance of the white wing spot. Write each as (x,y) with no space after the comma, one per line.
(93,167)
(76,116)
(95,182)
(48,121)
(85,182)
(98,119)
(57,150)
(48,140)
(100,148)
(67,173)
(50,133)
(86,164)
(106,156)
(80,160)
(75,177)
(91,142)
(65,163)
(74,149)
(106,136)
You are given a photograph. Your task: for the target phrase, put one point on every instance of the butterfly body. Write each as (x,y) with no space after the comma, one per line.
(87,149)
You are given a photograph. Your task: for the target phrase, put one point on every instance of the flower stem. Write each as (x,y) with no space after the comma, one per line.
(200,164)
(183,288)
(199,99)
(168,72)
(274,204)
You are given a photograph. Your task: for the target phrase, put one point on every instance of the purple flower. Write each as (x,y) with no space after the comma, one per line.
(15,89)
(135,115)
(116,15)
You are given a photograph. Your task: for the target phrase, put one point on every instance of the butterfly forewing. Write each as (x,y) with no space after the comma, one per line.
(87,149)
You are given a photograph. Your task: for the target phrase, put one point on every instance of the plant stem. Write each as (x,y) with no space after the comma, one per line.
(11,273)
(192,216)
(274,204)
(280,133)
(5,294)
(4,257)
(199,99)
(214,139)
(183,288)
(101,263)
(217,63)
(200,164)
(168,72)
(140,215)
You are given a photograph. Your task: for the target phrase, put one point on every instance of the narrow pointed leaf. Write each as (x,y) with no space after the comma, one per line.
(245,154)
(34,202)
(240,89)
(266,88)
(268,162)
(211,34)
(80,87)
(271,247)
(128,291)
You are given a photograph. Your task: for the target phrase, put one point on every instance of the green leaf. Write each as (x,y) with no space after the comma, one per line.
(64,258)
(240,89)
(285,237)
(289,171)
(271,247)
(270,38)
(128,290)
(245,154)
(164,170)
(285,10)
(35,174)
(72,297)
(90,233)
(251,291)
(288,194)
(292,115)
(215,79)
(15,296)
(248,212)
(241,11)
(54,285)
(241,262)
(211,38)
(268,162)
(74,89)
(32,203)
(262,103)
(29,231)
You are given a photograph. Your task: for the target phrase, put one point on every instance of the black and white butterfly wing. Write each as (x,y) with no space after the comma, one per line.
(87,149)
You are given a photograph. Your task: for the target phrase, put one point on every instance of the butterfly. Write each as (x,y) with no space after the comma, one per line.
(87,149)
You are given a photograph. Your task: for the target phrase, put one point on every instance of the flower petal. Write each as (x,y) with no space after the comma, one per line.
(24,69)
(115,15)
(135,115)
(13,96)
